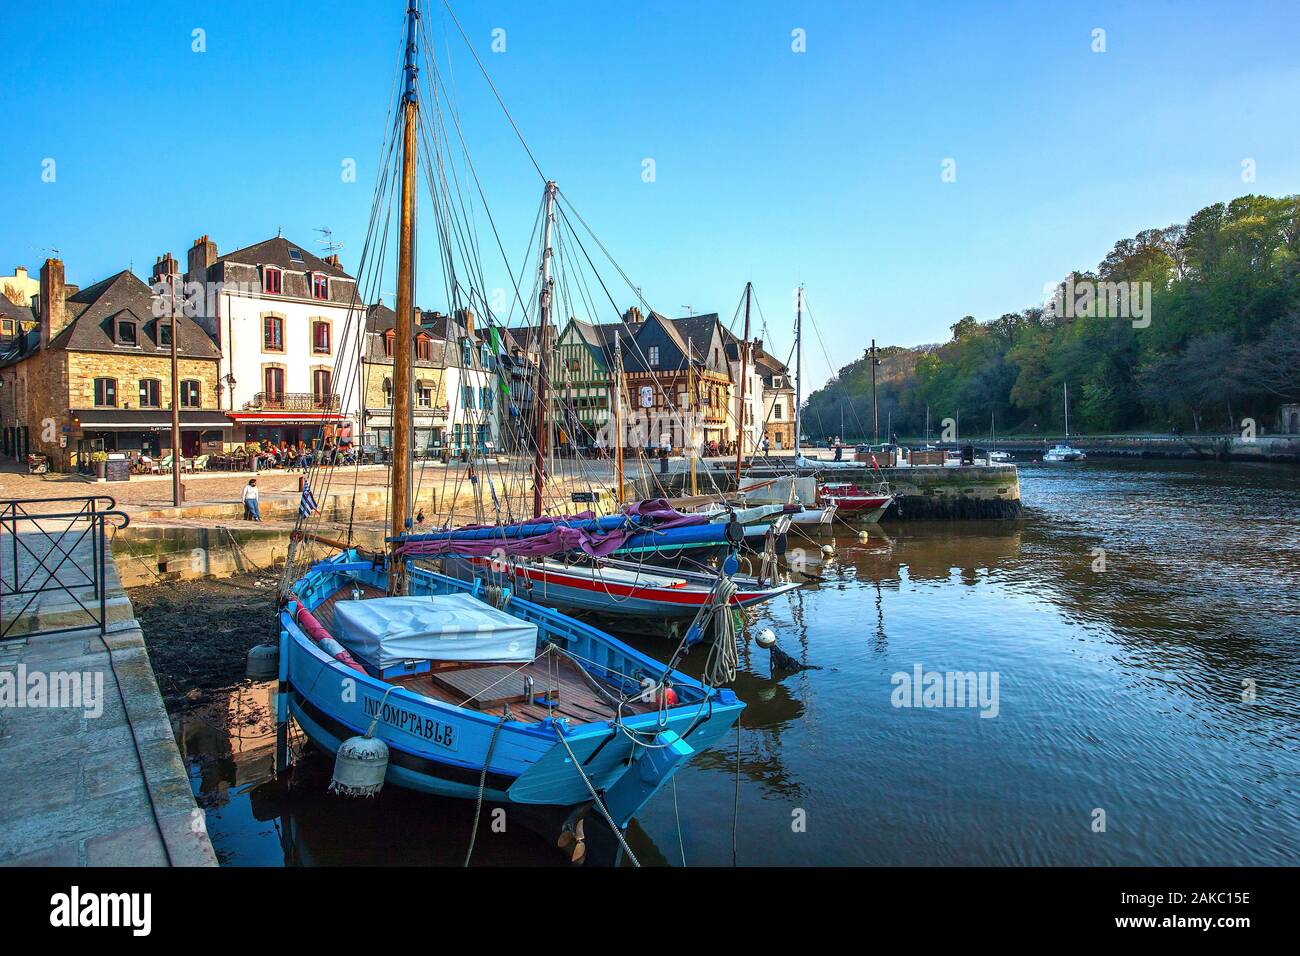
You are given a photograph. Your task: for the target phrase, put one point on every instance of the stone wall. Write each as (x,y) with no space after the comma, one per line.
(84,367)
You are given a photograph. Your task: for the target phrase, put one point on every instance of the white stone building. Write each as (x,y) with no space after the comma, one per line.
(289,333)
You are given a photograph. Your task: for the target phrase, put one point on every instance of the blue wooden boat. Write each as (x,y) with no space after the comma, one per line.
(586,713)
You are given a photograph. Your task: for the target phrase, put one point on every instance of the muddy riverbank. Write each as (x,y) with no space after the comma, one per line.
(198,633)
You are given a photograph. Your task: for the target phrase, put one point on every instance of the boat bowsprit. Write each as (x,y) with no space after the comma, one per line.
(538,708)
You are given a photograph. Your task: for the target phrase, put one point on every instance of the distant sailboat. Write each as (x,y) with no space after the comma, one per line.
(994,454)
(1065,451)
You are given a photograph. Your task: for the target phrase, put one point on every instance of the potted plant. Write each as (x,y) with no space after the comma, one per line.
(99,459)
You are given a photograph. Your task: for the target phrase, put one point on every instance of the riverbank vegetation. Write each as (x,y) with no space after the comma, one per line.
(1219,342)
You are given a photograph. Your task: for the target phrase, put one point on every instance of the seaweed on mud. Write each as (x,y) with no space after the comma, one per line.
(198,632)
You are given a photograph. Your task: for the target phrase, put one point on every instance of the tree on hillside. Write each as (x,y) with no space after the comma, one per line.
(1223,341)
(1272,366)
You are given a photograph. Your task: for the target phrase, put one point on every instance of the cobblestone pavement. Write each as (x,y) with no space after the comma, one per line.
(154,492)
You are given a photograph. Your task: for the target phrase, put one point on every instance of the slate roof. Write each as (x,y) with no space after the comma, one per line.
(698,329)
(275,252)
(98,307)
(380,319)
(10,310)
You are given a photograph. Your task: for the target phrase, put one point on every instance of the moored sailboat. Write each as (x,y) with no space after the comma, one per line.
(455,687)
(1065,451)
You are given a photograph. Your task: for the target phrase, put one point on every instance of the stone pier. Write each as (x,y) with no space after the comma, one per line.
(89,770)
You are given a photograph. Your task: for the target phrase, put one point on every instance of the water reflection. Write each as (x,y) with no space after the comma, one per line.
(1123,687)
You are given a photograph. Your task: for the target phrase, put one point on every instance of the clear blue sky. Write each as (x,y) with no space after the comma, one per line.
(822,167)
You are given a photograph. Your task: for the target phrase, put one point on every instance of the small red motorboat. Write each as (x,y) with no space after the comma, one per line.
(854,503)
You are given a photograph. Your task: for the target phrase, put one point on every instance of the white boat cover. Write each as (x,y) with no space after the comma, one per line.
(804,491)
(441,627)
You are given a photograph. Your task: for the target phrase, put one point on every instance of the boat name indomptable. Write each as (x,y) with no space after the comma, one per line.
(411,722)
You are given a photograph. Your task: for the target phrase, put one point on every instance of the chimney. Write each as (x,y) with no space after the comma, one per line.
(202,254)
(164,268)
(468,315)
(633,315)
(54,309)
(333,260)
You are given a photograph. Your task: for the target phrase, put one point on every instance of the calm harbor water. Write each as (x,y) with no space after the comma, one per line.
(1119,690)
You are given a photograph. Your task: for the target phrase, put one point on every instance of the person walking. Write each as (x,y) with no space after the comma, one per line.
(251,509)
(839,449)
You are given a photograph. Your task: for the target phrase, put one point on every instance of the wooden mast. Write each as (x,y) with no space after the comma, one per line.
(798,372)
(401,496)
(690,409)
(744,376)
(543,321)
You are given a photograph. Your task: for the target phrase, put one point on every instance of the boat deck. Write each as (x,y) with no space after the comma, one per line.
(556,680)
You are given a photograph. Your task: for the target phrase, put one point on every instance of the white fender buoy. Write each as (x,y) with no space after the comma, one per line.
(766,638)
(828,550)
(263,662)
(359,767)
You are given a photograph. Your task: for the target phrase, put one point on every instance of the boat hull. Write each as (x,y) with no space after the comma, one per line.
(865,508)
(622,594)
(440,748)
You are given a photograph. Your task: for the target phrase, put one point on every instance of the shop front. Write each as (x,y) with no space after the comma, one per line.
(429,439)
(291,428)
(136,432)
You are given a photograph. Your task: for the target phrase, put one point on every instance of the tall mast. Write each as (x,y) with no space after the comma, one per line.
(543,322)
(690,407)
(875,414)
(401,500)
(798,368)
(744,376)
(618,414)
(1066,386)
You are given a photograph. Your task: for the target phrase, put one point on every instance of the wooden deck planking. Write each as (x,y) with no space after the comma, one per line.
(576,700)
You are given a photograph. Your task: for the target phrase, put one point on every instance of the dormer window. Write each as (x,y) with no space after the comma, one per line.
(388,343)
(320,286)
(165,334)
(126,332)
(423,348)
(272,280)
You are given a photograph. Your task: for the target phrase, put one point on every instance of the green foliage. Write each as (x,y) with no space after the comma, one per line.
(1223,343)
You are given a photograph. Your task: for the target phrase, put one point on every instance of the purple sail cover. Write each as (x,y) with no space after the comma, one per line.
(656,514)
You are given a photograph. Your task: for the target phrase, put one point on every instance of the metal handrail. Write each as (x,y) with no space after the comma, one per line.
(90,499)
(293,401)
(12,511)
